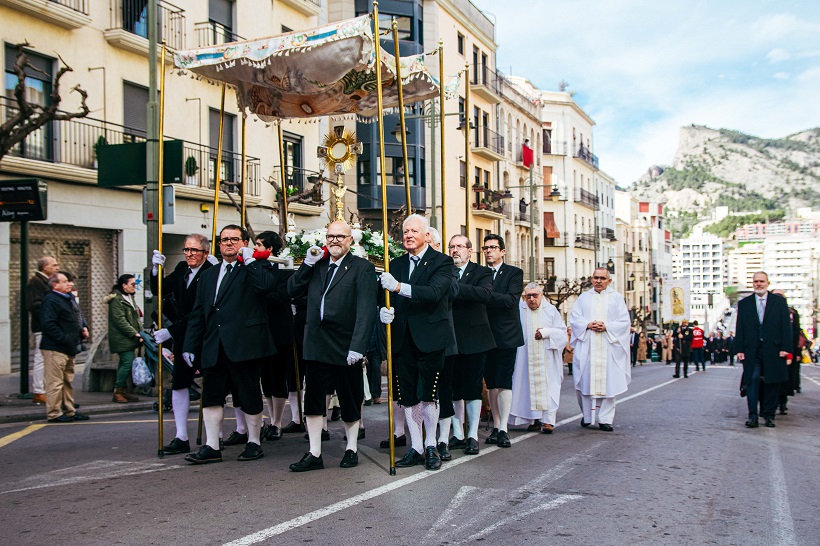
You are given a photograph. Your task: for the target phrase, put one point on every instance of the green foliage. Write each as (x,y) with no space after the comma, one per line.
(681,224)
(761,144)
(729,224)
(807,194)
(747,200)
(693,176)
(190,166)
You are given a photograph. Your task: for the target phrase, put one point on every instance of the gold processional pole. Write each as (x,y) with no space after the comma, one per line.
(214,242)
(243,169)
(466,122)
(441,128)
(161,201)
(403,138)
(284,191)
(385,230)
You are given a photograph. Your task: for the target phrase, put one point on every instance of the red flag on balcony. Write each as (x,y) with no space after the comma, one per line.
(526,155)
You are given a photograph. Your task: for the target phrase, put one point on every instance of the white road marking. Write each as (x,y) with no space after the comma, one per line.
(95,470)
(783,525)
(813,380)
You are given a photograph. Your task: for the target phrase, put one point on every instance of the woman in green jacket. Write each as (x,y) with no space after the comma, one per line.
(123,332)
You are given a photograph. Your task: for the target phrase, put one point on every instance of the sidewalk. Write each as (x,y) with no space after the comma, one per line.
(14,409)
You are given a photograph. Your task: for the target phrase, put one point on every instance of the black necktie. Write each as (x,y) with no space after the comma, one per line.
(188,276)
(494,272)
(330,269)
(224,281)
(415,260)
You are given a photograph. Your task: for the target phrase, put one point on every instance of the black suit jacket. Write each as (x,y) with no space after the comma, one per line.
(426,312)
(775,332)
(237,320)
(178,300)
(349,311)
(280,313)
(472,326)
(505,318)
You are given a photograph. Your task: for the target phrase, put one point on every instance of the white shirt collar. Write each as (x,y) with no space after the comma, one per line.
(339,261)
(420,255)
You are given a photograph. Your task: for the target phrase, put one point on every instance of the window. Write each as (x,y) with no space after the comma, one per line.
(38,91)
(404,25)
(135,113)
(294,173)
(220,15)
(228,168)
(460,41)
(475,65)
(462,174)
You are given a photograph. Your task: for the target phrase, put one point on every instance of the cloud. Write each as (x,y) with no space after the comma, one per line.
(777,55)
(780,75)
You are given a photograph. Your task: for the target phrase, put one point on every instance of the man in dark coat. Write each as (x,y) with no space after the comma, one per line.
(763,341)
(682,347)
(36,289)
(505,322)
(179,291)
(341,304)
(422,280)
(229,328)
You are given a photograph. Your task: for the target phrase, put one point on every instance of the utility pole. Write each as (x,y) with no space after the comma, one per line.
(152,155)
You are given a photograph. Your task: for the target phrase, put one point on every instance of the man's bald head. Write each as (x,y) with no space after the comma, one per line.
(339,238)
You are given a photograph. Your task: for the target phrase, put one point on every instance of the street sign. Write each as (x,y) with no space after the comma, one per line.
(168,205)
(23,200)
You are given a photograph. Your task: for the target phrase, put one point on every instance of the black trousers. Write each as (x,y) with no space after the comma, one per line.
(758,392)
(417,373)
(685,360)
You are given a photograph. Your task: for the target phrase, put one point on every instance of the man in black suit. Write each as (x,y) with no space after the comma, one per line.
(634,341)
(228,326)
(179,293)
(422,278)
(763,341)
(682,347)
(474,338)
(505,321)
(341,305)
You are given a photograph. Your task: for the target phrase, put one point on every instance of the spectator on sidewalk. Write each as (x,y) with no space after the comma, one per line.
(36,289)
(63,332)
(123,332)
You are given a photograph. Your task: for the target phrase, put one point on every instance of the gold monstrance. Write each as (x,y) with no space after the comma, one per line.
(338,152)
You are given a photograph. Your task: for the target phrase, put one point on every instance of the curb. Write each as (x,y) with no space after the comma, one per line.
(38,413)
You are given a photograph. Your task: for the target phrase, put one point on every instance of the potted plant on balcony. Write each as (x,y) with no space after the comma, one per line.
(483,205)
(101,141)
(191,169)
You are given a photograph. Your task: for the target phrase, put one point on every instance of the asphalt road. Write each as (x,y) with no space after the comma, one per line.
(680,468)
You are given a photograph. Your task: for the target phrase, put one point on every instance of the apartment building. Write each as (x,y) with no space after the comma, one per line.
(701,259)
(659,243)
(793,265)
(743,262)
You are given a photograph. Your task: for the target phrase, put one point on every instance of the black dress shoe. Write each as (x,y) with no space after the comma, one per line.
(535,427)
(273,433)
(675,376)
(62,419)
(176,447)
(492,438)
(79,416)
(471,447)
(432,460)
(350,459)
(398,441)
(205,455)
(236,439)
(752,423)
(584,423)
(455,443)
(252,452)
(784,410)
(605,427)
(770,423)
(443,452)
(368,402)
(292,427)
(359,435)
(503,439)
(412,458)
(308,462)
(336,414)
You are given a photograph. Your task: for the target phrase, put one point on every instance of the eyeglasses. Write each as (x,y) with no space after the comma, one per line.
(331,237)
(453,247)
(191,250)
(230,240)
(531,296)
(486,248)
(600,278)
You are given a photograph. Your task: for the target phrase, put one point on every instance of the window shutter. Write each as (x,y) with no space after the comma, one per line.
(135,105)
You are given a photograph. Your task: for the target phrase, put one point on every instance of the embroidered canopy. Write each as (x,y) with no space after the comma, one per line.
(323,71)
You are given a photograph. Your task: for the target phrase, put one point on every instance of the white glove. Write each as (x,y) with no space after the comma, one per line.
(386,315)
(213,259)
(389,282)
(314,254)
(157,260)
(353,357)
(293,309)
(189,359)
(247,255)
(162,335)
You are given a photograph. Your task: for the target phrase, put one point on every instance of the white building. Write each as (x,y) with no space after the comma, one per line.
(793,266)
(744,261)
(701,259)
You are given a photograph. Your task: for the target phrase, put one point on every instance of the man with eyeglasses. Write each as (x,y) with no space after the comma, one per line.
(474,338)
(422,279)
(341,304)
(600,336)
(502,308)
(179,291)
(229,309)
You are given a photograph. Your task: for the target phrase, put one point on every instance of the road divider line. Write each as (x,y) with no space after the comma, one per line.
(9,438)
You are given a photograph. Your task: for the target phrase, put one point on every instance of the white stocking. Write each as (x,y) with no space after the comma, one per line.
(474,417)
(412,422)
(277,409)
(458,419)
(352,432)
(398,420)
(430,411)
(293,400)
(314,427)
(241,424)
(493,395)
(254,427)
(504,405)
(212,418)
(444,430)
(181,402)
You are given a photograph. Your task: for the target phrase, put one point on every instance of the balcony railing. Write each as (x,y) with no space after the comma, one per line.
(487,78)
(608,233)
(231,169)
(80,6)
(299,180)
(211,33)
(587,199)
(132,16)
(585,154)
(587,240)
(554,147)
(559,241)
(628,257)
(487,138)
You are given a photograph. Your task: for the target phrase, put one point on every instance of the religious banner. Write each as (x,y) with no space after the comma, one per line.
(676,299)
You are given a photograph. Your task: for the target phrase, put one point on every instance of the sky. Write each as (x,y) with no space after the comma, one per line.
(644,69)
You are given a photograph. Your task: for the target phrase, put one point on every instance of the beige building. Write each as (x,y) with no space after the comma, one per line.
(744,261)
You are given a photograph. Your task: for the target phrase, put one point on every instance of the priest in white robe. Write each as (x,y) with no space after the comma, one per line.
(600,337)
(539,368)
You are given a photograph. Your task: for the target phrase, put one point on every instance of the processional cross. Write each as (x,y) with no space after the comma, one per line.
(338,152)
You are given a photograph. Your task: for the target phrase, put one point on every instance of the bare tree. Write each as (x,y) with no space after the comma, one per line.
(30,116)
(566,289)
(310,196)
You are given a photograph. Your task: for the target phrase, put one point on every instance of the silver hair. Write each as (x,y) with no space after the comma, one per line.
(534,285)
(425,223)
(204,242)
(435,236)
(469,242)
(43,262)
(54,279)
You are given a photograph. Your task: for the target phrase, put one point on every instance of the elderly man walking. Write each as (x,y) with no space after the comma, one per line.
(600,336)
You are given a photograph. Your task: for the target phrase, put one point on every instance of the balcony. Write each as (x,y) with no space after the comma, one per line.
(587,199)
(486,83)
(488,144)
(211,33)
(298,181)
(560,241)
(588,241)
(585,154)
(231,169)
(129,25)
(554,148)
(608,233)
(69,14)
(628,257)
(305,7)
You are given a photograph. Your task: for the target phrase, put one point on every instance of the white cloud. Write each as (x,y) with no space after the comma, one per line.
(778,54)
(781,75)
